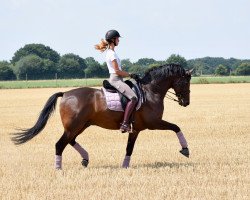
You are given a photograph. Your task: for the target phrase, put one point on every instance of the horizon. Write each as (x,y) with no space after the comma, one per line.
(138,58)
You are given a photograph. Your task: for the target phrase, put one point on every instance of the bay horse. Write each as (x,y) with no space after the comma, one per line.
(84,107)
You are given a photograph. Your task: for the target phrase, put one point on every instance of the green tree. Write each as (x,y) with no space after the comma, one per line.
(145,62)
(177,59)
(137,69)
(71,66)
(221,70)
(77,58)
(32,65)
(243,69)
(94,69)
(105,71)
(49,69)
(153,65)
(126,64)
(40,50)
(209,64)
(6,73)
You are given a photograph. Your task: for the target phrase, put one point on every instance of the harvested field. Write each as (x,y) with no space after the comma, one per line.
(216,126)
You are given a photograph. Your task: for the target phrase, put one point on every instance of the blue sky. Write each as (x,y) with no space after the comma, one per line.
(154,29)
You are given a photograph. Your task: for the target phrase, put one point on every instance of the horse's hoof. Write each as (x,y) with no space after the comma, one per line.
(85,163)
(185,152)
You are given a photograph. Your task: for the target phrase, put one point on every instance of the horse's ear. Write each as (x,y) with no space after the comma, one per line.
(189,72)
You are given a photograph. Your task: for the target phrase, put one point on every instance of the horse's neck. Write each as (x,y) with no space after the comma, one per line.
(158,89)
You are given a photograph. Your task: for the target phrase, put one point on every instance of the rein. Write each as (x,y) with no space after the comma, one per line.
(170,97)
(178,95)
(167,95)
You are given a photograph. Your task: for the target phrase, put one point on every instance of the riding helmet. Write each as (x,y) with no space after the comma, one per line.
(111,34)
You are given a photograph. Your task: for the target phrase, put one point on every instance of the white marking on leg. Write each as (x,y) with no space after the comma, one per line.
(182,140)
(58,162)
(126,162)
(81,151)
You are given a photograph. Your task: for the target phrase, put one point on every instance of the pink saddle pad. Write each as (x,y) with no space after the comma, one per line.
(114,102)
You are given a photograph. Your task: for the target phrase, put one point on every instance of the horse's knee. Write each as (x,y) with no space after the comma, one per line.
(175,128)
(61,144)
(72,143)
(57,147)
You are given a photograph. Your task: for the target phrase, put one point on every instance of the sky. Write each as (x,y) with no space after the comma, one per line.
(152,29)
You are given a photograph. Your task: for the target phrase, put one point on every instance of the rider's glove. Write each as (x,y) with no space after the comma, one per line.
(135,76)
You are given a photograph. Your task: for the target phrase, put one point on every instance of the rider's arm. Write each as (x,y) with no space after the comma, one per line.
(118,71)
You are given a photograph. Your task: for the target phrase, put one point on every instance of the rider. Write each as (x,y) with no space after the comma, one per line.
(117,74)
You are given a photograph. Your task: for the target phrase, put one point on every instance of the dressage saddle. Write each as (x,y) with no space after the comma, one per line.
(124,99)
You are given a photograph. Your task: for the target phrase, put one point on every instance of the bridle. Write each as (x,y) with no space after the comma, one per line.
(179,95)
(172,98)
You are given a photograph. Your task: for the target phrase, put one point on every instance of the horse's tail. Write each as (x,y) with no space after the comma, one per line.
(27,134)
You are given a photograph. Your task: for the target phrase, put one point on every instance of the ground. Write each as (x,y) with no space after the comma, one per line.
(216,126)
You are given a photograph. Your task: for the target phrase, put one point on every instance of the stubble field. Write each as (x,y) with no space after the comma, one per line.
(216,126)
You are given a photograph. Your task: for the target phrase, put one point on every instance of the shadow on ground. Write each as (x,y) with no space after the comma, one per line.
(167,164)
(152,165)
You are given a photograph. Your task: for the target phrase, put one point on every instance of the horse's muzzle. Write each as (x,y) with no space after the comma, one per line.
(183,103)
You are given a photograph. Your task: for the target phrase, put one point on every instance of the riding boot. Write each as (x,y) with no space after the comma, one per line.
(125,126)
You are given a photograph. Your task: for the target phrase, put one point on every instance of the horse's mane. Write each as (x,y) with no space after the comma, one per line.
(162,72)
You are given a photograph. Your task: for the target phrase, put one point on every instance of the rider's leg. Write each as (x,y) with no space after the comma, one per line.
(125,126)
(123,88)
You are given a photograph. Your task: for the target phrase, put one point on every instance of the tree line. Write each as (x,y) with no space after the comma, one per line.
(37,61)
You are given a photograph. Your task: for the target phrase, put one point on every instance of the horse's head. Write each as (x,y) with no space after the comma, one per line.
(181,86)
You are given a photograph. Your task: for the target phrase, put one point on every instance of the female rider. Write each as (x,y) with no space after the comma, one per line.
(117,74)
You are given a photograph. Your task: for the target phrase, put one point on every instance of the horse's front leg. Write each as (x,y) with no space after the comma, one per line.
(164,125)
(129,150)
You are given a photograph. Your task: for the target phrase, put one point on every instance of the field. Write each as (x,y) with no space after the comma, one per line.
(98,82)
(216,126)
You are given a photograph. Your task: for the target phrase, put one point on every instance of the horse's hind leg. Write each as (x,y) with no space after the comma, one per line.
(84,154)
(60,146)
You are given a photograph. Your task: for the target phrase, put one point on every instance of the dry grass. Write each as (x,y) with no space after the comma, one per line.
(216,125)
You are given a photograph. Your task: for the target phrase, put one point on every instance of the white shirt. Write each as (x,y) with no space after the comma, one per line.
(110,56)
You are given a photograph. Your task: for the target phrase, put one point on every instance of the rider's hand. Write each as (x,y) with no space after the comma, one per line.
(135,76)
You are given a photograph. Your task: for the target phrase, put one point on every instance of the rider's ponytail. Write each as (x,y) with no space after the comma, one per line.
(102,46)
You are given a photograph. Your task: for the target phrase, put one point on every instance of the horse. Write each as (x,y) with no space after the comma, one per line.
(85,106)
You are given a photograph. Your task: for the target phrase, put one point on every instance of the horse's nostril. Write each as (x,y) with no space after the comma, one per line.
(185,104)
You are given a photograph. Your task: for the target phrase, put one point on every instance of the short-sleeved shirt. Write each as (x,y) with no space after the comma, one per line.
(110,56)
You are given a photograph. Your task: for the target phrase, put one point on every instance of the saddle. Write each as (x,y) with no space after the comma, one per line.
(117,101)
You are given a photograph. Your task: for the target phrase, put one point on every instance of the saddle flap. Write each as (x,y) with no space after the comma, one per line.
(108,86)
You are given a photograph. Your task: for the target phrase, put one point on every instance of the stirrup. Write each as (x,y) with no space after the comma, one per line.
(125,128)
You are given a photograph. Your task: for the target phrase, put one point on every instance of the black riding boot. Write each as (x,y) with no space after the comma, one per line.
(125,126)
